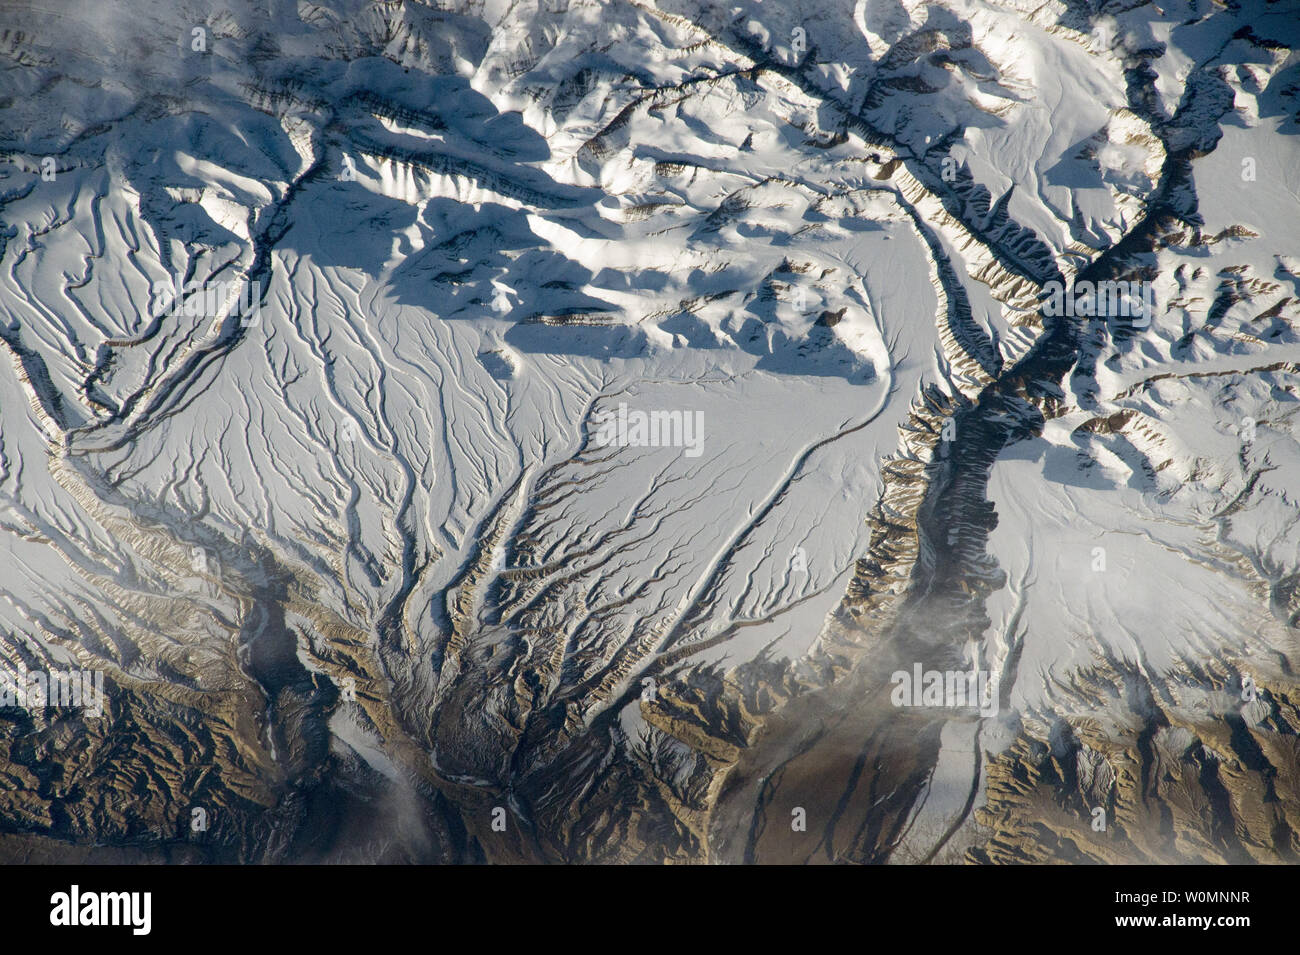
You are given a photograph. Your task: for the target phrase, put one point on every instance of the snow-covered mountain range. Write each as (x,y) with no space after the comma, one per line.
(501,431)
